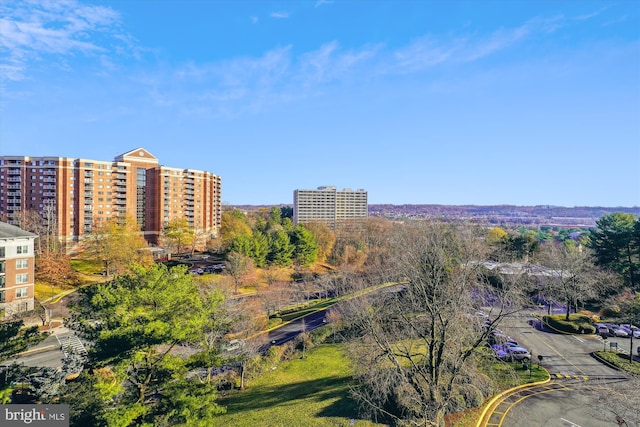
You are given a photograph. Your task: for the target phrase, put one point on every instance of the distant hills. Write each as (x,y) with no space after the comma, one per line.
(578,217)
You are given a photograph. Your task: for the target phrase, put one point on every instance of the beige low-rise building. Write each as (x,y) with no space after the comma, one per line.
(16,270)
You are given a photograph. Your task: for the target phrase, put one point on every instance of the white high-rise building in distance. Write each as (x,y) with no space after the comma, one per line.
(328,205)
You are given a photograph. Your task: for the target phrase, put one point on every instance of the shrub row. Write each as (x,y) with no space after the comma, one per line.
(577,324)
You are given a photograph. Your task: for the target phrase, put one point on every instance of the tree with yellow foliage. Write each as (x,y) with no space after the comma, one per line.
(118,243)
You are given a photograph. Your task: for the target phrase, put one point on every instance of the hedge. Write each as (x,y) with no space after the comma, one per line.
(577,323)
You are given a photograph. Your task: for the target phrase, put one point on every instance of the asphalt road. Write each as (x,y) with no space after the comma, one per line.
(290,331)
(51,351)
(583,392)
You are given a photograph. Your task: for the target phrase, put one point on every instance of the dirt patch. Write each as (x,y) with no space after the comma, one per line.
(45,328)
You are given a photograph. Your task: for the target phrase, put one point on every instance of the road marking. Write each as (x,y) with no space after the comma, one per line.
(559,354)
(561,388)
(581,340)
(572,423)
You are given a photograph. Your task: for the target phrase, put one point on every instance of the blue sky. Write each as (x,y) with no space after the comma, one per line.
(431,102)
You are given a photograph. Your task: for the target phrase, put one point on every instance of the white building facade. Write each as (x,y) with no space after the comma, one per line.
(328,205)
(17,270)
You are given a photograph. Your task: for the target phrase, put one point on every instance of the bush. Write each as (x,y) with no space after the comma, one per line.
(577,323)
(609,312)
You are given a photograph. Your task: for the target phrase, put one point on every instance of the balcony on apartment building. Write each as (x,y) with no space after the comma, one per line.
(49,180)
(14,179)
(13,171)
(13,186)
(49,172)
(49,194)
(88,181)
(49,187)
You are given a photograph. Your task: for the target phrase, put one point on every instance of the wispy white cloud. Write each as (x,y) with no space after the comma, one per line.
(322,2)
(36,28)
(279,15)
(254,19)
(430,50)
(586,16)
(282,75)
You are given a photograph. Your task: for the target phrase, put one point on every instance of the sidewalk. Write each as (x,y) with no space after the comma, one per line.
(49,343)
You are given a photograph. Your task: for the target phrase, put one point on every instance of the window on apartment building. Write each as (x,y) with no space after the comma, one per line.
(2,252)
(22,292)
(1,296)
(23,249)
(22,278)
(2,268)
(2,282)
(22,263)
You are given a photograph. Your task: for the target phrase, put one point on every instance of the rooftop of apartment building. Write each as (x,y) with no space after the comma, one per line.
(8,231)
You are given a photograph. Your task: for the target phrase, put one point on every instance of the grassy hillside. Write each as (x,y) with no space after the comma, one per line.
(309,392)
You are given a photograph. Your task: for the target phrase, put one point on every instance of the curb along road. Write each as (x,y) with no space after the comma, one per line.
(496,400)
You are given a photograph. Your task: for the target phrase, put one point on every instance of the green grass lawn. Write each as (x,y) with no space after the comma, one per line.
(87,266)
(309,392)
(620,360)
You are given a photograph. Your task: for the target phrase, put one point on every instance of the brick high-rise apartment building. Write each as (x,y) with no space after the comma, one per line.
(81,193)
(328,205)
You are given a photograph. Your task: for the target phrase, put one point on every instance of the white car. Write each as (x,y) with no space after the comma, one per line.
(619,332)
(518,353)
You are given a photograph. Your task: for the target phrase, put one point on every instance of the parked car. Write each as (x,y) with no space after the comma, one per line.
(602,330)
(233,345)
(619,332)
(631,330)
(499,352)
(518,353)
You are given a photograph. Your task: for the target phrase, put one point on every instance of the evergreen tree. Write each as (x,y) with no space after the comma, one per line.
(280,249)
(616,243)
(136,321)
(306,248)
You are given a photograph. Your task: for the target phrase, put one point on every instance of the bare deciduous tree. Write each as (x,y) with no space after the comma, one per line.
(414,346)
(572,277)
